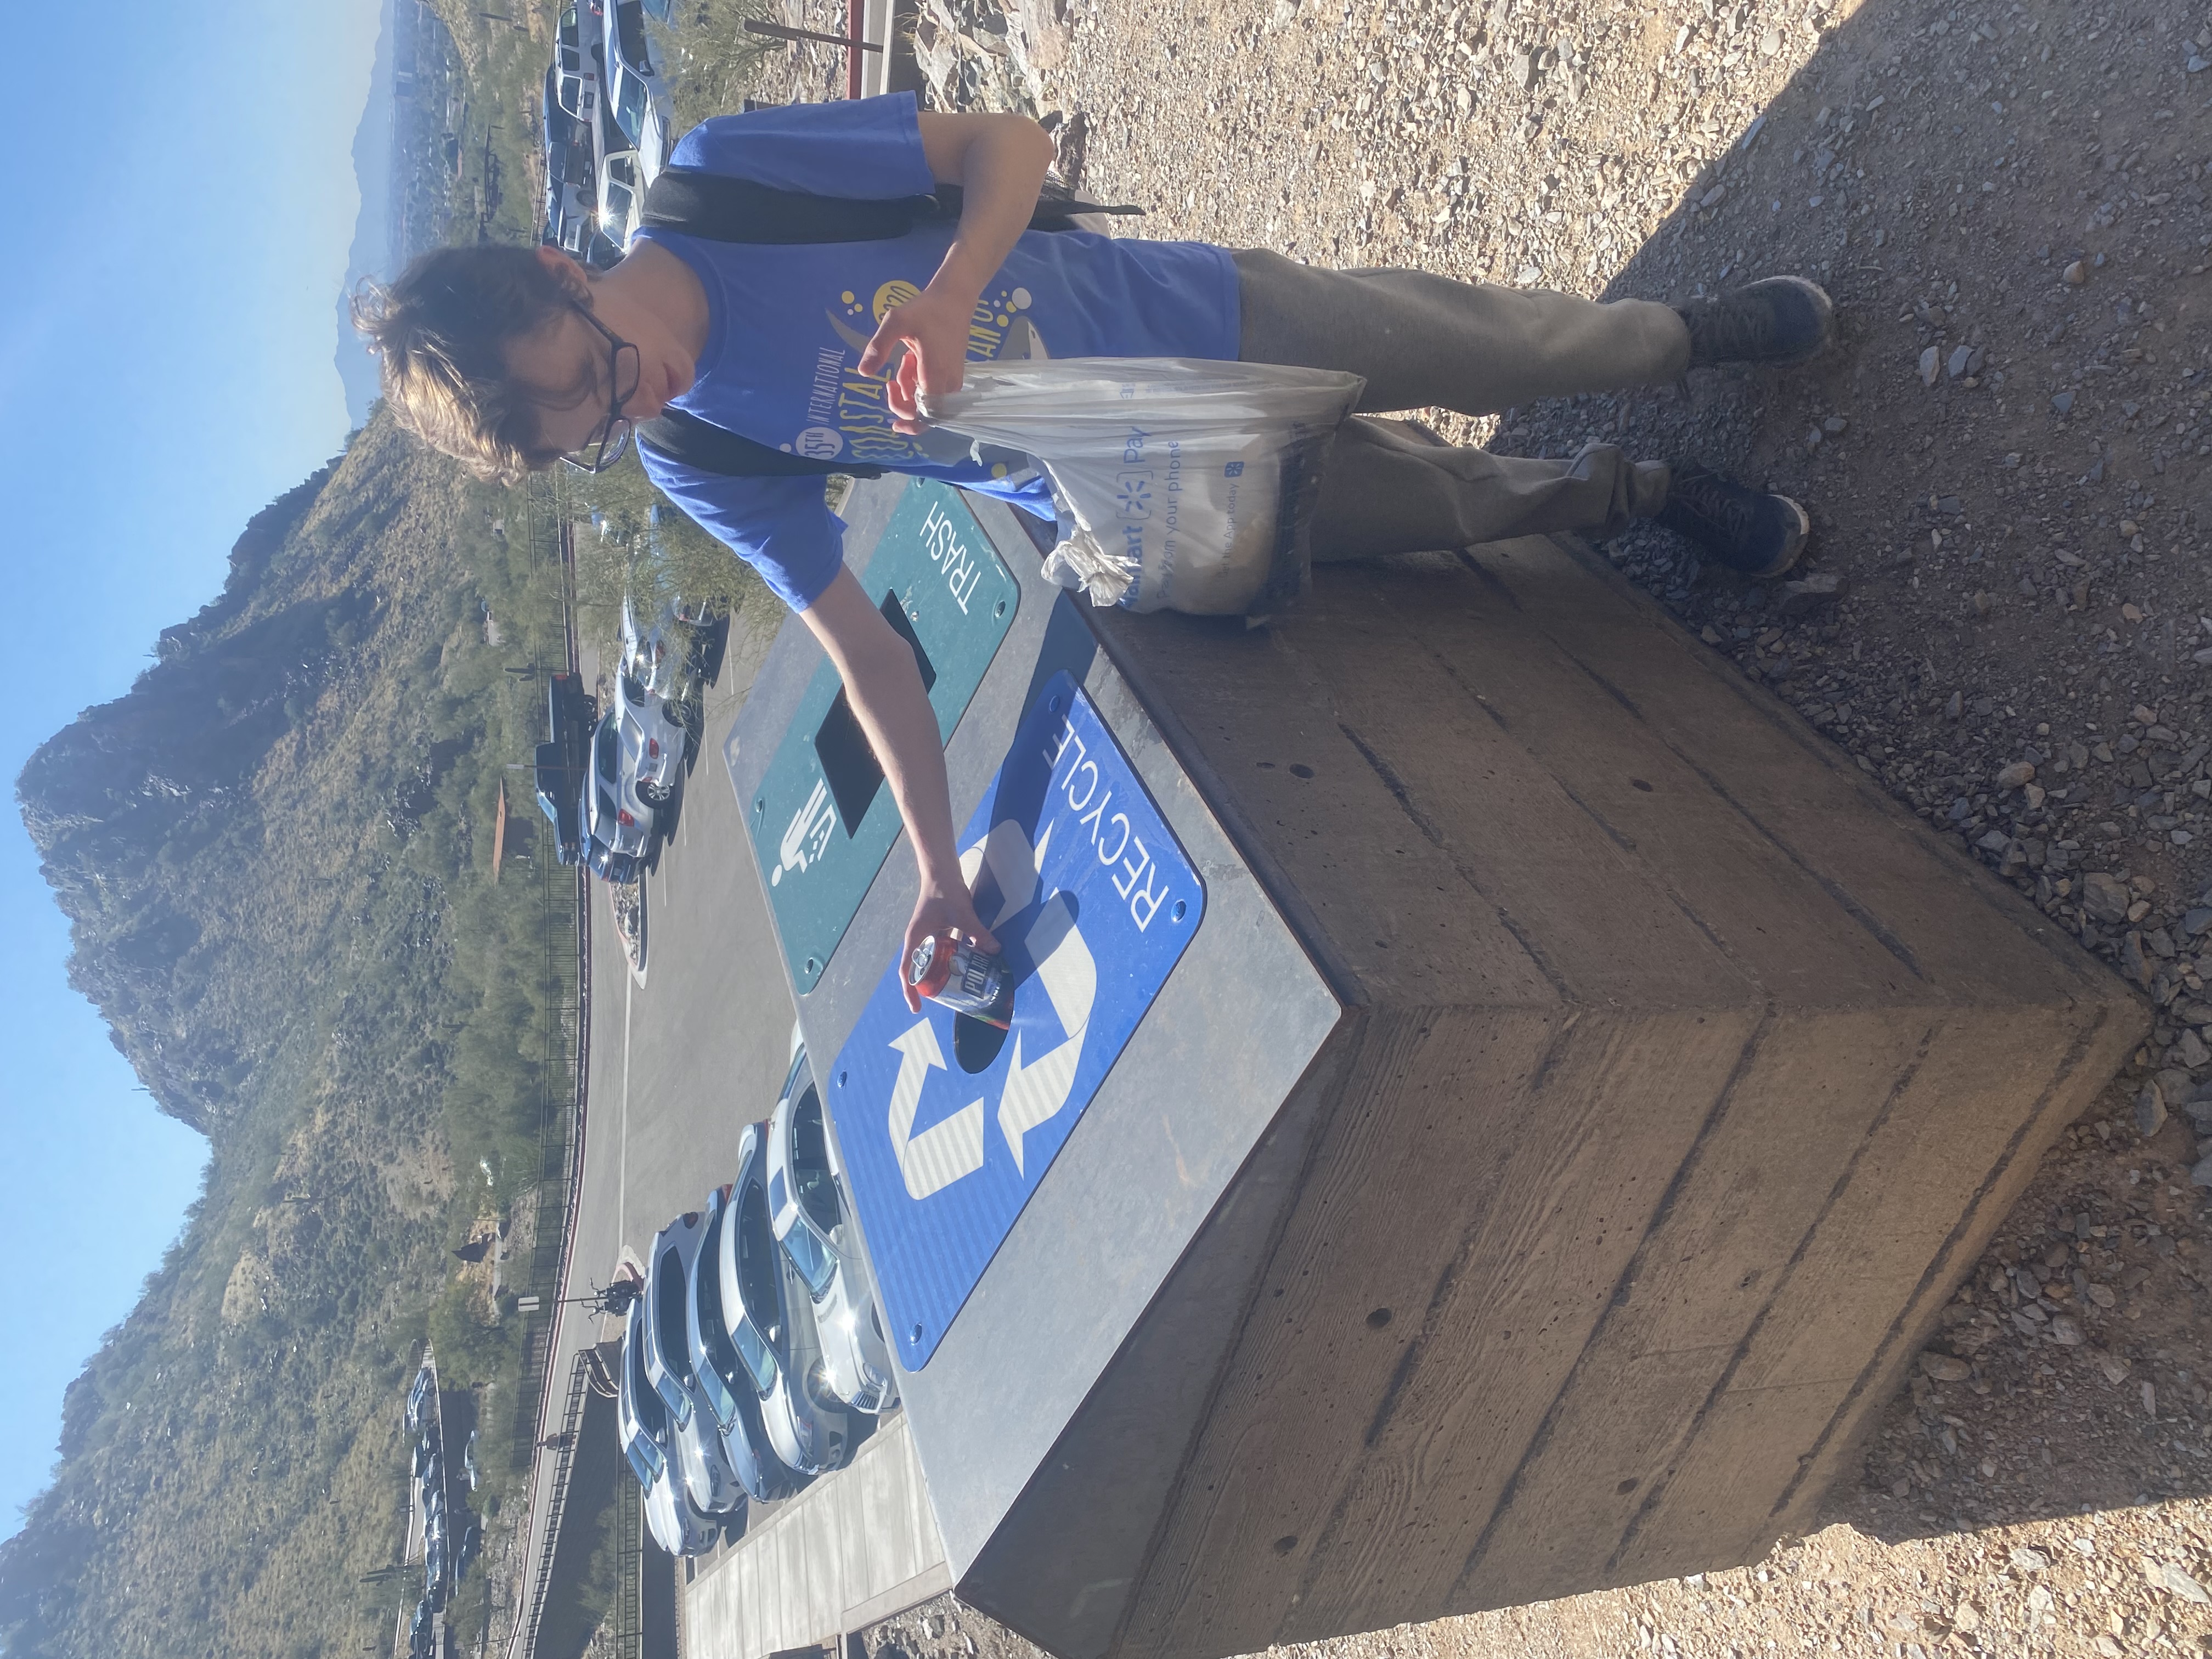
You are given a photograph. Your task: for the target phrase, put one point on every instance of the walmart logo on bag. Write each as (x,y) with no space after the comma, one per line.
(1133,494)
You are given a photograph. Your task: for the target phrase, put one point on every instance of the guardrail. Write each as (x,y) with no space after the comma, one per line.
(556,1498)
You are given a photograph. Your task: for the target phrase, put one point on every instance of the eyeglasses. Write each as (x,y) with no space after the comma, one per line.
(610,441)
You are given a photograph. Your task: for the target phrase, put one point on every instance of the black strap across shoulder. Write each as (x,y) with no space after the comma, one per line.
(718,207)
(722,208)
(701,445)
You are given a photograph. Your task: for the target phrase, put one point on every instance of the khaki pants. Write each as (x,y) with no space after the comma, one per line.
(1424,341)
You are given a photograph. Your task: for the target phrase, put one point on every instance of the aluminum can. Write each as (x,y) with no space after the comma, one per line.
(955,975)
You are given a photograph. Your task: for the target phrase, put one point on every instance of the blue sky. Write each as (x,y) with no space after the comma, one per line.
(167,369)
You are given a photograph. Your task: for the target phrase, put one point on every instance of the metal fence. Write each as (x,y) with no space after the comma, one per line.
(629,1612)
(565,1058)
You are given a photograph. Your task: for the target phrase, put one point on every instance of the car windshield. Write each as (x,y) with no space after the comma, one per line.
(721,1373)
(644,1404)
(668,1312)
(618,207)
(757,1284)
(816,1265)
(629,106)
(629,34)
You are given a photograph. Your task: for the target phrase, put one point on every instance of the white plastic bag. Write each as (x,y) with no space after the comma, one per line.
(1182,484)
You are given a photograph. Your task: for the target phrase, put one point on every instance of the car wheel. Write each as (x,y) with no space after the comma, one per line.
(653,794)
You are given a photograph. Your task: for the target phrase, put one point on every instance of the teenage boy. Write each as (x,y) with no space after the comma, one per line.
(513,359)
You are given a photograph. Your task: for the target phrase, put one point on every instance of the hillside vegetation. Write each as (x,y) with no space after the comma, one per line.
(275,853)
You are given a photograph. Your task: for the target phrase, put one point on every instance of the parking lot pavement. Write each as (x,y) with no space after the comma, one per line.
(679,1065)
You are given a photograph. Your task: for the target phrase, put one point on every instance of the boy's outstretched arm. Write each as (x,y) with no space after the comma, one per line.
(999,162)
(885,690)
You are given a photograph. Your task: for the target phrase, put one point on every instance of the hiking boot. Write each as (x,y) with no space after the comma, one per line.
(1760,535)
(1779,320)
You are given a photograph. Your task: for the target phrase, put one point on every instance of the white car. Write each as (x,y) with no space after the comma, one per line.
(636,91)
(621,197)
(809,1208)
(771,1319)
(655,656)
(575,67)
(701,1460)
(642,1423)
(734,1366)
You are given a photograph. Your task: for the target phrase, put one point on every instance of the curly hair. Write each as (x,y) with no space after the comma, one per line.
(441,332)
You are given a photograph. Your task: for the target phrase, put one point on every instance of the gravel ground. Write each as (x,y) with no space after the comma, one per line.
(2011,625)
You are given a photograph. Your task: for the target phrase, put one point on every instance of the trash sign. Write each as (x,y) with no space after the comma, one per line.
(948,1124)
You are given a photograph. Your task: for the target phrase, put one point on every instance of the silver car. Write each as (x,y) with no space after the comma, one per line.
(809,1210)
(659,657)
(636,90)
(772,1317)
(701,1461)
(642,1422)
(636,763)
(734,1366)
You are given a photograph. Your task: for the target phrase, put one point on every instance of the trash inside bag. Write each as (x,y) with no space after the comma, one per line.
(1181,483)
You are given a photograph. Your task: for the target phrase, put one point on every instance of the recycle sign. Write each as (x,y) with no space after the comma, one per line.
(947,1124)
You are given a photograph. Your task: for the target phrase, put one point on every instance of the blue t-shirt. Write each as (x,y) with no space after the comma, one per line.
(787,324)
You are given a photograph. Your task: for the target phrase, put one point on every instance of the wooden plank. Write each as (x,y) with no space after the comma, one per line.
(1484,1181)
(1684,839)
(2097,1051)
(1962,925)
(1335,849)
(1590,906)
(1927,1161)
(1690,1296)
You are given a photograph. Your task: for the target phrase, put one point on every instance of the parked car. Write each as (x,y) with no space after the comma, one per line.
(701,1460)
(575,69)
(633,87)
(417,1397)
(664,657)
(619,868)
(767,1304)
(811,1215)
(732,1372)
(620,196)
(642,1422)
(563,762)
(636,762)
(571,194)
(580,237)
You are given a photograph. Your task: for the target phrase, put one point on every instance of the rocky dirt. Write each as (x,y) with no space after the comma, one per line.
(2007,616)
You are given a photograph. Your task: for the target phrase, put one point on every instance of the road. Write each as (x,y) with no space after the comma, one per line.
(682,1058)
(680,1063)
